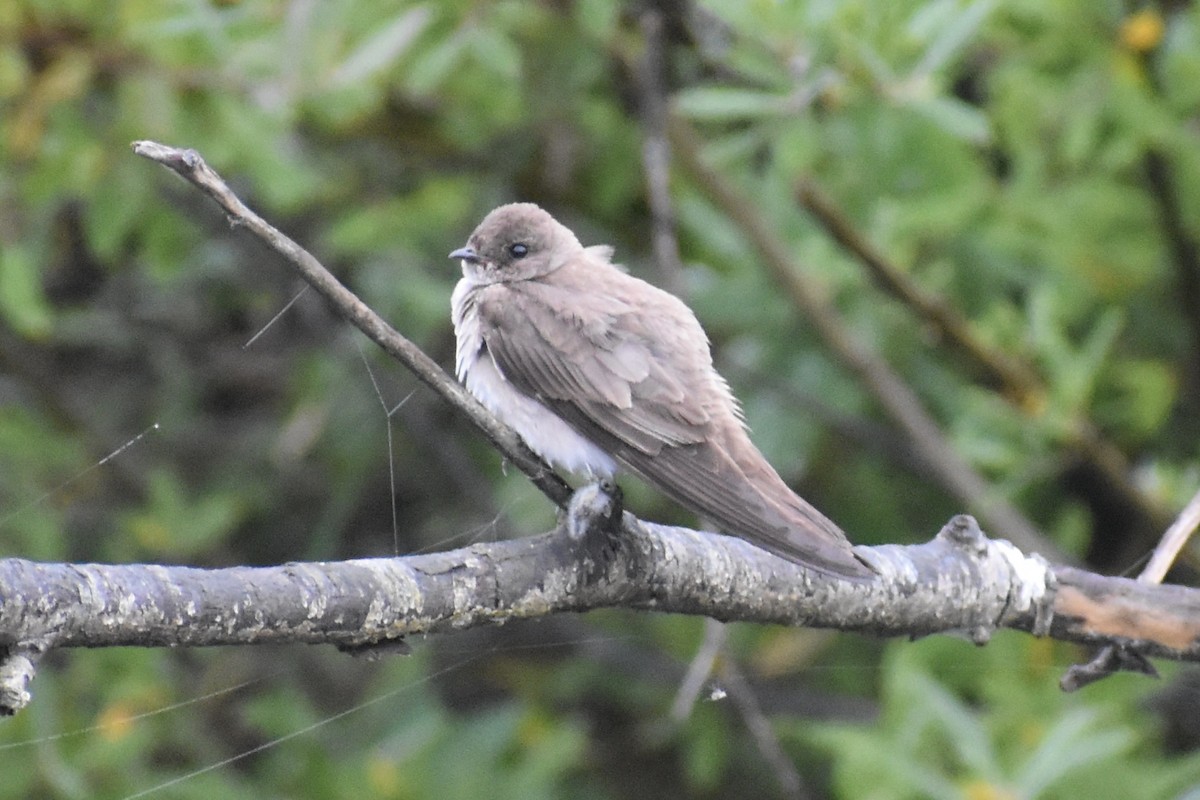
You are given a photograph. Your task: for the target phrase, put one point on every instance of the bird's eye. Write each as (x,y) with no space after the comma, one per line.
(518,250)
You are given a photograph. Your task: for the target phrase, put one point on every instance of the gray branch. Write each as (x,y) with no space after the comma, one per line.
(192,167)
(960,582)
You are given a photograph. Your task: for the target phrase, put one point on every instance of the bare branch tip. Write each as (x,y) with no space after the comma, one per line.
(185,161)
(146,148)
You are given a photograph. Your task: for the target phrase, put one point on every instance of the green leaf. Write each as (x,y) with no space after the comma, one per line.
(962,729)
(1137,396)
(430,68)
(960,27)
(1078,739)
(706,751)
(720,103)
(873,765)
(959,119)
(175,523)
(22,302)
(382,49)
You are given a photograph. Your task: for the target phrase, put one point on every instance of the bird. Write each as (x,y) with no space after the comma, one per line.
(599,371)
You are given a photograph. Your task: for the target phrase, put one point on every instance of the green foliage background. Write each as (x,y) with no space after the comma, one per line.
(1034,165)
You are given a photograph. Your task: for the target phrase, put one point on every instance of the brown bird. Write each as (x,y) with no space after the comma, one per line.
(596,369)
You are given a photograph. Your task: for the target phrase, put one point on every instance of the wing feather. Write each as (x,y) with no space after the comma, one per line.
(592,362)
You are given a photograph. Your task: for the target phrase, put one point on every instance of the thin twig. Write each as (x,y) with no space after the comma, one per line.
(746,702)
(699,671)
(1172,542)
(889,389)
(192,167)
(1010,374)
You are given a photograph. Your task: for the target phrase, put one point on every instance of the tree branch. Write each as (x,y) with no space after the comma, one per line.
(959,582)
(191,166)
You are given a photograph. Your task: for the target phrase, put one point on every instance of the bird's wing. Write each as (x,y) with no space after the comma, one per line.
(624,389)
(584,355)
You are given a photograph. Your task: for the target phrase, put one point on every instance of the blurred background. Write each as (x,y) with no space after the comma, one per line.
(947,253)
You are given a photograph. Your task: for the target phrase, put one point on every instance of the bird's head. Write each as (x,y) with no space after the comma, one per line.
(516,242)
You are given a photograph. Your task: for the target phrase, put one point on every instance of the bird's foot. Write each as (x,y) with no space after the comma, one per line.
(593,521)
(595,511)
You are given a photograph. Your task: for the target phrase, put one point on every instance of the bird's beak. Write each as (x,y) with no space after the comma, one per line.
(467,254)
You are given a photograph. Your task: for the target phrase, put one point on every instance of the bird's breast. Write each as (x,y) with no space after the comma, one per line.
(544,431)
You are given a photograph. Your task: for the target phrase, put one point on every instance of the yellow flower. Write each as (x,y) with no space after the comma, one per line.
(1142,31)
